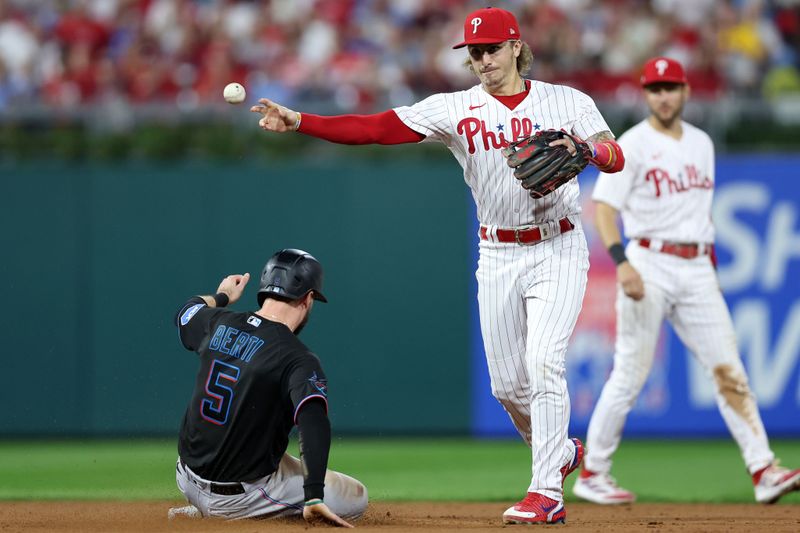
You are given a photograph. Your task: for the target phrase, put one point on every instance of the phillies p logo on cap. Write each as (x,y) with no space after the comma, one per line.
(662,70)
(475,23)
(490,25)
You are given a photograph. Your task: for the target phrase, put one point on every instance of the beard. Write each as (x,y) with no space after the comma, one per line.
(491,79)
(300,326)
(668,117)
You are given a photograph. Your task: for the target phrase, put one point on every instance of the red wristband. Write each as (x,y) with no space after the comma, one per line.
(608,156)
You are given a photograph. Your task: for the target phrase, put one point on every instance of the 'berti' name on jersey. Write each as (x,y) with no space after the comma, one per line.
(254,375)
(231,341)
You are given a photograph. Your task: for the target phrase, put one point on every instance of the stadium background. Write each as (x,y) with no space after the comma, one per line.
(128,186)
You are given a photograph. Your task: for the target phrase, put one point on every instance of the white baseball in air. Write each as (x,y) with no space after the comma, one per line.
(234,93)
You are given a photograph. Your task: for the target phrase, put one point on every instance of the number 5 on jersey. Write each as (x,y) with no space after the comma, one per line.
(219,385)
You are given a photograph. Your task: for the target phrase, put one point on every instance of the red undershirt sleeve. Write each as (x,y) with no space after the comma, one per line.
(608,156)
(381,128)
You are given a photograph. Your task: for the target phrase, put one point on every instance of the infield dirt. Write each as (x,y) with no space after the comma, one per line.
(387,516)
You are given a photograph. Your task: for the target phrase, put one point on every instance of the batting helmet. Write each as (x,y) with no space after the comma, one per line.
(290,274)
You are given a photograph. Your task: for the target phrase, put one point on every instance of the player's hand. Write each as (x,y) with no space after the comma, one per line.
(321,513)
(274,117)
(631,281)
(567,142)
(233,286)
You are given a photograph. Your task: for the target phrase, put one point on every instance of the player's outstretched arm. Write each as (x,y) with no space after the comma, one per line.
(378,128)
(275,117)
(318,512)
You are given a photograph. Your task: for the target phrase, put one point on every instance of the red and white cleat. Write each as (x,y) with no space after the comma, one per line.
(576,461)
(601,488)
(539,509)
(774,481)
(536,509)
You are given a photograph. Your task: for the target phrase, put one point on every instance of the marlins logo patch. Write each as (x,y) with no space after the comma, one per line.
(189,313)
(320,384)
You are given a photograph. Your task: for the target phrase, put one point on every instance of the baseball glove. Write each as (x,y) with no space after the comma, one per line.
(541,168)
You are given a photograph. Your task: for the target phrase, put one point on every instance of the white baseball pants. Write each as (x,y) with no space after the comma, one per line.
(529,298)
(687,293)
(278,494)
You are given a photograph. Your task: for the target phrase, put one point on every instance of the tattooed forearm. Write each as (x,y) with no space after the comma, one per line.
(601,136)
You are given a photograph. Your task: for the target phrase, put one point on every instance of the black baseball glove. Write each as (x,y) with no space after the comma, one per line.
(541,168)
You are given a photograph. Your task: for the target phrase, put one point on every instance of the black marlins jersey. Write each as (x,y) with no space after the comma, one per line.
(254,376)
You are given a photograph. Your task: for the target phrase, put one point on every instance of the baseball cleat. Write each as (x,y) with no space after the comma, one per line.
(602,489)
(188,511)
(536,509)
(575,462)
(774,481)
(539,509)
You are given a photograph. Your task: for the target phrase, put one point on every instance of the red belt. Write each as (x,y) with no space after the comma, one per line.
(687,250)
(530,235)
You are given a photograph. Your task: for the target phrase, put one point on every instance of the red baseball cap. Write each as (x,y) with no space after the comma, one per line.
(662,70)
(488,26)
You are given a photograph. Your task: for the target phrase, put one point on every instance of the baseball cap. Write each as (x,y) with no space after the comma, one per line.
(662,70)
(488,26)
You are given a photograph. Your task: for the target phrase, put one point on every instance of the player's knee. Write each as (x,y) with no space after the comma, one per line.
(359,502)
(346,496)
(732,385)
(508,395)
(512,405)
(355,505)
(499,394)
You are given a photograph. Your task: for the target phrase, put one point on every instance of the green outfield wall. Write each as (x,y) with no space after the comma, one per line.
(96,260)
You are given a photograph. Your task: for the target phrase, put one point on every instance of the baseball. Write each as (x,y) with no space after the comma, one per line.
(234,93)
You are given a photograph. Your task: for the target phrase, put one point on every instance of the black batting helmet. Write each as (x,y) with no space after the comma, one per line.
(290,274)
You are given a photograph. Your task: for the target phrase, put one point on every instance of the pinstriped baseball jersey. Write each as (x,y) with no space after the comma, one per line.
(665,190)
(529,297)
(475,126)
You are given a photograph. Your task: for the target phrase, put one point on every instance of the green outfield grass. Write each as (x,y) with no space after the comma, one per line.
(392,469)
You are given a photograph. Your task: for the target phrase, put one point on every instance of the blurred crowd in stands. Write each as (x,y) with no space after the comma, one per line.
(363,55)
